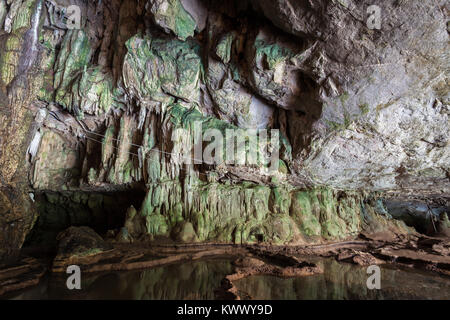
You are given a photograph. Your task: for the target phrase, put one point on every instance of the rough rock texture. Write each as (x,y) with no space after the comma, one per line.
(252,214)
(362,113)
(81,242)
(20,55)
(61,210)
(26,272)
(424,217)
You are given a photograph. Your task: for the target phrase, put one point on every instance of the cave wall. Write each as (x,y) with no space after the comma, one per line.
(95,109)
(19,83)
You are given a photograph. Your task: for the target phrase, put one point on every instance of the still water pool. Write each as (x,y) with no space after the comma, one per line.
(343,281)
(198,281)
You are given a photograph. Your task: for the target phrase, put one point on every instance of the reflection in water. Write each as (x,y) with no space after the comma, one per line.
(198,280)
(346,281)
(193,280)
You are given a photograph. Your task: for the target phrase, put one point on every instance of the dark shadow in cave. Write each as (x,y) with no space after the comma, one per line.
(417,214)
(102,211)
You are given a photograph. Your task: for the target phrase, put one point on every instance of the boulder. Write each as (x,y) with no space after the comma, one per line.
(81,242)
(185,232)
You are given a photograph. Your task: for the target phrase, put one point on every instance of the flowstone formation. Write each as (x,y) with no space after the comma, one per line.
(92,100)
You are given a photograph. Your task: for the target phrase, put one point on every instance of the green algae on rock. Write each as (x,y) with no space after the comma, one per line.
(172,16)
(249,213)
(72,61)
(160,69)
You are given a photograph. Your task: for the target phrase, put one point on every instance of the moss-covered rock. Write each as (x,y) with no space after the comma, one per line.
(93,92)
(57,163)
(248,213)
(273,69)
(71,63)
(232,99)
(172,17)
(160,69)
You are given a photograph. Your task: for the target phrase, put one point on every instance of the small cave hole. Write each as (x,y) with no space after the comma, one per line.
(102,211)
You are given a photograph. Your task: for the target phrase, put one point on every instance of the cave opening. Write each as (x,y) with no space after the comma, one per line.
(101,211)
(422,216)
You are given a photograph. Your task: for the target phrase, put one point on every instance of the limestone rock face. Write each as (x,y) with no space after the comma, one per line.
(381,97)
(19,40)
(181,17)
(161,70)
(361,108)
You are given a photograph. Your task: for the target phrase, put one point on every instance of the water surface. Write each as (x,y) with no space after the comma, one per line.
(344,281)
(198,281)
(192,281)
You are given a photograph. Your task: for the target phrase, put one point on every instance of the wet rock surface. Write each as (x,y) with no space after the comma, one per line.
(359,258)
(22,273)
